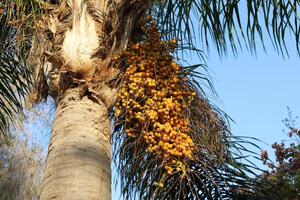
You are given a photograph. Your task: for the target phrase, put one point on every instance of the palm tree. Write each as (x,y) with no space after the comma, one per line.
(73,48)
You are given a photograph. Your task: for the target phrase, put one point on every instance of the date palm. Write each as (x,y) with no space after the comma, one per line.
(73,43)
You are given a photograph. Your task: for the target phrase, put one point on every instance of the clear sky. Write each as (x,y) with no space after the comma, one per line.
(255,91)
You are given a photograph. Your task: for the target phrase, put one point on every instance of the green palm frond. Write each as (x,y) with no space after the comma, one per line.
(14,77)
(217,175)
(219,168)
(222,172)
(17,29)
(230,23)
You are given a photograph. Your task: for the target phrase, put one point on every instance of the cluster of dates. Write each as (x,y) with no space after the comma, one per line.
(153,100)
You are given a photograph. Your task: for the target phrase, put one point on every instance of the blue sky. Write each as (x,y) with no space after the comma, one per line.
(255,91)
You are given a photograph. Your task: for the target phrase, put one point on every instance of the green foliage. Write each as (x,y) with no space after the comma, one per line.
(219,165)
(14,77)
(17,19)
(222,22)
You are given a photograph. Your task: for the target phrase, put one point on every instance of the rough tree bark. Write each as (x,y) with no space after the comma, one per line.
(77,42)
(78,162)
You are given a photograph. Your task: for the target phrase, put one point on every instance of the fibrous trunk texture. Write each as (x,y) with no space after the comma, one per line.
(75,47)
(78,162)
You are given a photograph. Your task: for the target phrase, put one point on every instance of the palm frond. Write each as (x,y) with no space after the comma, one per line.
(14,76)
(221,171)
(231,23)
(17,30)
(218,165)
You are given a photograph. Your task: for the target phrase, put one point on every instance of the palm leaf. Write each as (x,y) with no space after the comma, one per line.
(219,167)
(14,76)
(222,22)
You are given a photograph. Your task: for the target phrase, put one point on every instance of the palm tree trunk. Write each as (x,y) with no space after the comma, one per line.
(85,34)
(78,162)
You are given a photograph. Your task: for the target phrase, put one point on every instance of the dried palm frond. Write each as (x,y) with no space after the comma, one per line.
(14,77)
(18,20)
